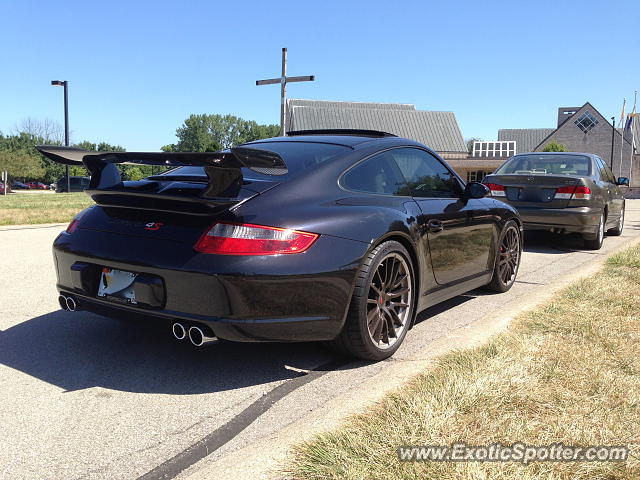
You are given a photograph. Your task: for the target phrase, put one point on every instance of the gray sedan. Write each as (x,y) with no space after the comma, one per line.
(562,192)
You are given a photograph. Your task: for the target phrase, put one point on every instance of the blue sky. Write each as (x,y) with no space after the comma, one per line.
(137,69)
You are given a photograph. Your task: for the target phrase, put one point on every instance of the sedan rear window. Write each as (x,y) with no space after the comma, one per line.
(547,164)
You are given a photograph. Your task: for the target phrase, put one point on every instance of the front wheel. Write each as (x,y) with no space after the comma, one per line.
(382,306)
(507,258)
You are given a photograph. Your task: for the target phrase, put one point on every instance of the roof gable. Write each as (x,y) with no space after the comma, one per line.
(437,130)
(570,123)
(299,102)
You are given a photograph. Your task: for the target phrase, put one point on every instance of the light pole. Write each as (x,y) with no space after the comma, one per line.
(613,132)
(65,84)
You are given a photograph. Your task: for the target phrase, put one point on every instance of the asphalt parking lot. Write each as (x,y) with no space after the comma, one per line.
(87,397)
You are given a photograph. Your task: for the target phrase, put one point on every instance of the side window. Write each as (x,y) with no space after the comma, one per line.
(605,173)
(378,174)
(610,175)
(425,174)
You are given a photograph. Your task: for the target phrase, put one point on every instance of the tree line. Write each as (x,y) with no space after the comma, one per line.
(198,133)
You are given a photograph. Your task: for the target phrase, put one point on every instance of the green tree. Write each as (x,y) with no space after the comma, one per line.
(470,142)
(21,164)
(554,146)
(209,133)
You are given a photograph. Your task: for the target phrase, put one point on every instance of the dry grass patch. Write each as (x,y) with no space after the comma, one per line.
(567,372)
(33,208)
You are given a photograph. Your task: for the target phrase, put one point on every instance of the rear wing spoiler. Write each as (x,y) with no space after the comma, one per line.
(222,168)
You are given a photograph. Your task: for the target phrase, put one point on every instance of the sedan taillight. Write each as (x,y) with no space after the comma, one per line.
(496,190)
(568,192)
(248,239)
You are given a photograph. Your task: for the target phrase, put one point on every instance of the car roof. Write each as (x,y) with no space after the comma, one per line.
(592,155)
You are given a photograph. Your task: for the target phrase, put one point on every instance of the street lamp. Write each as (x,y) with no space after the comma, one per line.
(65,84)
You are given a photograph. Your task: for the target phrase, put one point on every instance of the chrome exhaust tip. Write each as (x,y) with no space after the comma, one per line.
(179,332)
(62,300)
(199,338)
(71,304)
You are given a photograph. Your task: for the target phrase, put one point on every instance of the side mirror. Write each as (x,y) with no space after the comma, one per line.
(476,190)
(623,181)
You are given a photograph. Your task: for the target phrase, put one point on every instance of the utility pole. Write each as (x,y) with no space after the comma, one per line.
(613,136)
(283,80)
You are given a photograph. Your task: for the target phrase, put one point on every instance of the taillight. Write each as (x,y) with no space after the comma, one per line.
(496,190)
(583,193)
(248,239)
(564,192)
(73,226)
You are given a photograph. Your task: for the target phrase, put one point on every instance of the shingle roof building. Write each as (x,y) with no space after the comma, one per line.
(437,130)
(527,139)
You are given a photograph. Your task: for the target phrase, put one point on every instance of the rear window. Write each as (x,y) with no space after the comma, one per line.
(547,164)
(298,156)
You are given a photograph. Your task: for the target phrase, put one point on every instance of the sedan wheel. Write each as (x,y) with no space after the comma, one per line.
(617,231)
(596,243)
(382,306)
(507,258)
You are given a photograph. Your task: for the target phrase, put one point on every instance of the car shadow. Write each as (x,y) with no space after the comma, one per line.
(552,243)
(442,307)
(82,350)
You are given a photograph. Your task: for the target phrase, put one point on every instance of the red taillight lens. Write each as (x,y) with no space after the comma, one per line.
(572,191)
(73,225)
(247,239)
(496,190)
(582,192)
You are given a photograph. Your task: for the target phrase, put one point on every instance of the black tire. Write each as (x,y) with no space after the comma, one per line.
(508,256)
(596,243)
(617,230)
(378,306)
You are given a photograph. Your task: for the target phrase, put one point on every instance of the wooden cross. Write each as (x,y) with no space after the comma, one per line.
(283,80)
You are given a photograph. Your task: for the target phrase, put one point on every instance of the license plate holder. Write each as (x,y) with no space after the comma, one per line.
(117,285)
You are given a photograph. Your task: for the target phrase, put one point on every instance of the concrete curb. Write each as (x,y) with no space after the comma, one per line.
(37,225)
(266,458)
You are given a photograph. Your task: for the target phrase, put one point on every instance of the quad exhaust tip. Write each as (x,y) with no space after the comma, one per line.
(199,338)
(67,303)
(71,304)
(179,332)
(62,300)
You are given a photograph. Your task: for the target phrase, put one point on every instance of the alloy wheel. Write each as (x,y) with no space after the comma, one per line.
(509,256)
(601,230)
(389,301)
(621,220)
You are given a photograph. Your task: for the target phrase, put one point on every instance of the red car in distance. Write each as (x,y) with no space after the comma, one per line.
(37,186)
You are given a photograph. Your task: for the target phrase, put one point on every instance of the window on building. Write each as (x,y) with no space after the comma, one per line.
(494,149)
(586,122)
(476,175)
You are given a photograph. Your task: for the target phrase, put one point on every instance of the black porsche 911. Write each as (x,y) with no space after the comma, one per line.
(335,236)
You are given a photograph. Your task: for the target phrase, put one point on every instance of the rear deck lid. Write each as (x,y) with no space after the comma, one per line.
(546,180)
(545,191)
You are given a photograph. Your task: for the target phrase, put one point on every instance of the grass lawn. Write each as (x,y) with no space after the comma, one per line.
(566,372)
(31,208)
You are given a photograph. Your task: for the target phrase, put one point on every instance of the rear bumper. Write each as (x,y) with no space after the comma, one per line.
(302,297)
(582,220)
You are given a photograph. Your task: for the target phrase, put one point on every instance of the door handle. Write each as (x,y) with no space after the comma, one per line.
(435,226)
